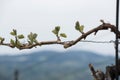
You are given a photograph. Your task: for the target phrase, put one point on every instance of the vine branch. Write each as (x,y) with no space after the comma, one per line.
(66,44)
(103,26)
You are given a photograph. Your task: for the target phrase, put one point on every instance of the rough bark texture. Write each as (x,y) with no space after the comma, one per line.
(110,73)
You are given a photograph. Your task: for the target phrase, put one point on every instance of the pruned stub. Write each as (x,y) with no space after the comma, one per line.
(111,72)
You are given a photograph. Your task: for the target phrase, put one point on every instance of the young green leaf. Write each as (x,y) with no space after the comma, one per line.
(63,35)
(55,32)
(12,42)
(30,36)
(57,28)
(77,26)
(30,42)
(81,28)
(35,41)
(15,31)
(1,38)
(18,44)
(21,36)
(34,36)
(12,33)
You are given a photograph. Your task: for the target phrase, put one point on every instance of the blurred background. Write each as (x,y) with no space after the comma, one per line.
(53,62)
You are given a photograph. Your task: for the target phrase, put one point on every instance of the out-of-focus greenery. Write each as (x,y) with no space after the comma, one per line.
(51,65)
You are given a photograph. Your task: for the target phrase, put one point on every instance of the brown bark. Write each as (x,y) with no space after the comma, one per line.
(108,75)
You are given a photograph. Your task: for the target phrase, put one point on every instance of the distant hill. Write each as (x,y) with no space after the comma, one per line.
(51,65)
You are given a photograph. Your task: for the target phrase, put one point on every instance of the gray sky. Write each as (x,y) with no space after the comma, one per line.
(41,16)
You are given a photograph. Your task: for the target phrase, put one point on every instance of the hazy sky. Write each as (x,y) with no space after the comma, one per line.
(41,16)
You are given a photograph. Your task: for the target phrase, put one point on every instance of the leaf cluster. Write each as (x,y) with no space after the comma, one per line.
(56,32)
(32,38)
(15,42)
(79,27)
(1,39)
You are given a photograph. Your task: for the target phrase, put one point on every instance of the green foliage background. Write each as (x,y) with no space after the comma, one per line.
(51,65)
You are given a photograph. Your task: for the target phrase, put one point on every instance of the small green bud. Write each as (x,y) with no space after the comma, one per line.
(34,36)
(12,42)
(57,28)
(20,36)
(81,28)
(63,35)
(55,32)
(77,25)
(13,33)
